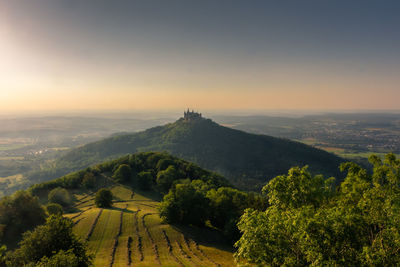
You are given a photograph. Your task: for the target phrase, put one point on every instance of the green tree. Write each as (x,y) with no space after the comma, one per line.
(89,180)
(123,173)
(46,241)
(54,209)
(145,180)
(104,198)
(310,223)
(19,213)
(166,178)
(3,250)
(185,205)
(226,207)
(60,196)
(61,259)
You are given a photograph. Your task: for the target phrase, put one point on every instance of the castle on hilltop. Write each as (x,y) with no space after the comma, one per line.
(191,115)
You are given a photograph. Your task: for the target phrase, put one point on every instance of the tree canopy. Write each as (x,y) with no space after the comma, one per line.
(309,222)
(51,243)
(104,198)
(19,213)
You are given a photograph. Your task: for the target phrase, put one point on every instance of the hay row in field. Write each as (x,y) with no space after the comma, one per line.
(155,247)
(187,243)
(139,238)
(89,234)
(170,249)
(129,250)
(115,245)
(182,252)
(79,214)
(77,221)
(204,255)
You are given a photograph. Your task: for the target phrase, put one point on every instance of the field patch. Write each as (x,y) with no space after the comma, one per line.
(133,234)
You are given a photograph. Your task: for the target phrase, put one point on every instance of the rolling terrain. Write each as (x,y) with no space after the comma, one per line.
(132,234)
(247,160)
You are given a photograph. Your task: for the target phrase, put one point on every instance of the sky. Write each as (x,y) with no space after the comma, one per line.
(232,55)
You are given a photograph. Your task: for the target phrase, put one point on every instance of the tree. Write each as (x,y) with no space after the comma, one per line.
(185,205)
(226,207)
(3,250)
(61,259)
(89,180)
(47,243)
(104,198)
(54,209)
(310,223)
(145,180)
(60,196)
(123,173)
(19,213)
(166,178)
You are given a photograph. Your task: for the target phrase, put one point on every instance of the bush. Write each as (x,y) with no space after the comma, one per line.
(104,198)
(54,209)
(60,196)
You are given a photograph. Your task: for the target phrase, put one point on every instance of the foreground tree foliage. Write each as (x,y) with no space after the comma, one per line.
(104,198)
(309,222)
(51,244)
(19,213)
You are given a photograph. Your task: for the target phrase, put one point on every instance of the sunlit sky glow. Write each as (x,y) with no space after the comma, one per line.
(101,54)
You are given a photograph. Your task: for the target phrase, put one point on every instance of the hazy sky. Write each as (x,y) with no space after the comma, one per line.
(202,54)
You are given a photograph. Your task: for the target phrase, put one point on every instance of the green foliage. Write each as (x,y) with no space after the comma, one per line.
(61,259)
(104,198)
(19,213)
(310,223)
(184,205)
(3,250)
(54,209)
(60,196)
(47,243)
(145,180)
(226,203)
(123,173)
(166,178)
(89,180)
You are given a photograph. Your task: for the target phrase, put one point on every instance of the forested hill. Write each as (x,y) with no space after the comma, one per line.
(245,159)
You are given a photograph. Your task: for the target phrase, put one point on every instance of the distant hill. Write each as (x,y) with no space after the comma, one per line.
(245,159)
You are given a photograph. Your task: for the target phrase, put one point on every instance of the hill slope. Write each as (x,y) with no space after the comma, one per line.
(132,234)
(241,157)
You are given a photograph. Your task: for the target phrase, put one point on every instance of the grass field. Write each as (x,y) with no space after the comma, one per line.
(132,234)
